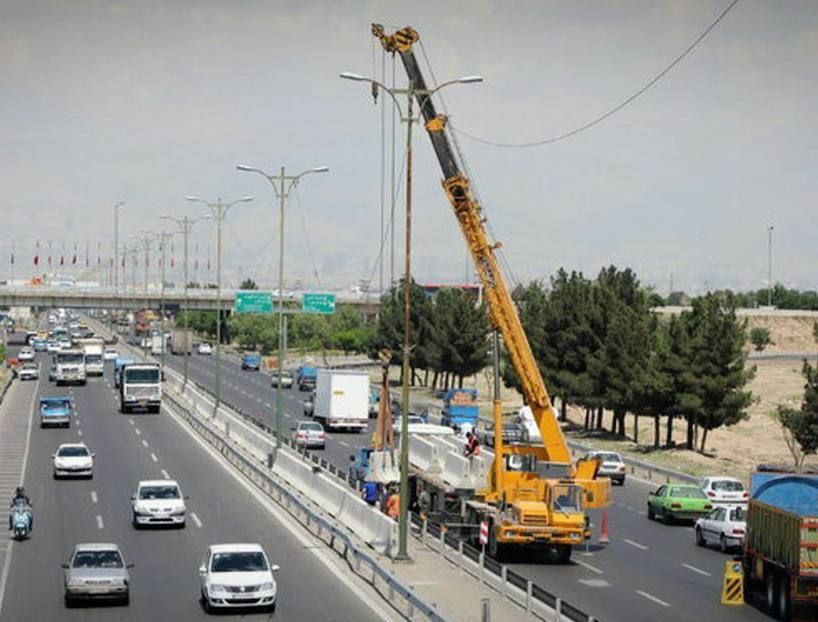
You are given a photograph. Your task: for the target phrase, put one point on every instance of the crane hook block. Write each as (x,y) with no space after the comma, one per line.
(436,124)
(401,41)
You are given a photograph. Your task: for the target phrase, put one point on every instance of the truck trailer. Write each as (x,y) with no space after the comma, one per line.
(780,559)
(342,399)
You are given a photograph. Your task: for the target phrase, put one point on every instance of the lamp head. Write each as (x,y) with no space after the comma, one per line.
(348,75)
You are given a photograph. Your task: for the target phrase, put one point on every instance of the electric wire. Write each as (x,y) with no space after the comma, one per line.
(599,119)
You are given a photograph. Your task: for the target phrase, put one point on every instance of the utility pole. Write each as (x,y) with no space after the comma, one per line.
(116,245)
(282,185)
(218,211)
(770,265)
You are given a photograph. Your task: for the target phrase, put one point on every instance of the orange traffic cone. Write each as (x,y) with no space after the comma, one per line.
(604,536)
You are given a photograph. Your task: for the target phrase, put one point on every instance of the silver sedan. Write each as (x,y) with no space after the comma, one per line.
(96,571)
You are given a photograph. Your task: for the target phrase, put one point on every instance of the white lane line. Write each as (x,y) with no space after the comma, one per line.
(165,474)
(344,443)
(131,422)
(138,431)
(144,443)
(100,524)
(79,432)
(590,567)
(651,597)
(94,497)
(268,404)
(698,570)
(196,519)
(154,458)
(636,544)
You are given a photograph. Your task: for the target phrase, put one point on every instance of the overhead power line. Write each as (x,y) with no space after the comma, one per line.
(612,111)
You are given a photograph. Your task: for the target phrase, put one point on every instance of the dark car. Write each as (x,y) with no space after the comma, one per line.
(513,433)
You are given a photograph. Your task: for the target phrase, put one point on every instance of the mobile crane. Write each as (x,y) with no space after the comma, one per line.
(544,502)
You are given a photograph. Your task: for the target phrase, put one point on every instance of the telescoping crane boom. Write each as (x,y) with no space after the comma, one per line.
(545,501)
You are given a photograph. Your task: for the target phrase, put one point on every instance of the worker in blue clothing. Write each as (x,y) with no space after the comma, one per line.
(370,493)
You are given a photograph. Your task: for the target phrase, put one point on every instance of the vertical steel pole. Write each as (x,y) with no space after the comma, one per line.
(186,231)
(219,217)
(282,196)
(770,266)
(403,530)
(163,237)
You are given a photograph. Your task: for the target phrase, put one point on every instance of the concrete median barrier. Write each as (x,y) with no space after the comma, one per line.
(383,467)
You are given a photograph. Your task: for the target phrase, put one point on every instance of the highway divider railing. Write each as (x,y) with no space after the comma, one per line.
(268,478)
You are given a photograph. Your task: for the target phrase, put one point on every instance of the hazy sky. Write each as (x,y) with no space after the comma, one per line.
(147,102)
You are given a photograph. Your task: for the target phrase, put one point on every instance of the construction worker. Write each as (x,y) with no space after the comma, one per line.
(393,505)
(472,445)
(370,493)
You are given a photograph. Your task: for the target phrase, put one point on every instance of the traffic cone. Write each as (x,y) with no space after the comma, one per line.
(604,536)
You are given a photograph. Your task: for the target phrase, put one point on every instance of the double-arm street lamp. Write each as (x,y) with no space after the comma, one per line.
(185,225)
(218,211)
(282,185)
(409,118)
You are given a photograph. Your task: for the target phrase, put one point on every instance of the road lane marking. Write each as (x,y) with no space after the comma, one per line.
(138,431)
(344,443)
(698,570)
(79,432)
(636,544)
(590,567)
(100,524)
(144,443)
(94,497)
(131,422)
(165,474)
(154,458)
(196,519)
(651,597)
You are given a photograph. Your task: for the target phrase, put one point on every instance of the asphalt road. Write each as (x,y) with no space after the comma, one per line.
(164,579)
(648,572)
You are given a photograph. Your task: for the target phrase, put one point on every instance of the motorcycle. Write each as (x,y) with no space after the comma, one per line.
(21,521)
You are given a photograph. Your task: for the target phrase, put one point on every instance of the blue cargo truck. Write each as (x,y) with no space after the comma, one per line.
(460,407)
(251,361)
(305,377)
(780,560)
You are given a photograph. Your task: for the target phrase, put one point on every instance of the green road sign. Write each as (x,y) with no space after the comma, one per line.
(318,303)
(253,302)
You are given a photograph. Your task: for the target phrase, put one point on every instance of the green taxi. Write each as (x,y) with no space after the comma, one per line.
(676,502)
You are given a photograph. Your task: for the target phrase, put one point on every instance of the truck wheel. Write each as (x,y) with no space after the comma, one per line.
(783,611)
(497,550)
(770,585)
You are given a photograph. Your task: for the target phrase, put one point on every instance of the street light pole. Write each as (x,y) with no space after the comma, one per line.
(770,265)
(185,225)
(116,245)
(282,185)
(411,92)
(218,211)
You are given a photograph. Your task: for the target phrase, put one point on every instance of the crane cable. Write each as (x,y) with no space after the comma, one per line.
(612,111)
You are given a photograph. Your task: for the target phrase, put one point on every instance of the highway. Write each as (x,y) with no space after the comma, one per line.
(164,580)
(648,572)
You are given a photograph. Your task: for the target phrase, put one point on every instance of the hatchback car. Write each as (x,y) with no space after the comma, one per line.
(28,371)
(674,502)
(237,576)
(720,489)
(96,571)
(309,434)
(610,465)
(204,348)
(73,460)
(158,502)
(286,379)
(724,526)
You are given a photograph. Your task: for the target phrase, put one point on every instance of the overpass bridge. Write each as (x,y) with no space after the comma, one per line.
(108,298)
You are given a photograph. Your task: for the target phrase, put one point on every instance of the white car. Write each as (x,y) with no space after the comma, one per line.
(28,371)
(110,353)
(237,575)
(53,346)
(204,348)
(309,434)
(26,354)
(73,460)
(158,502)
(721,489)
(723,526)
(610,465)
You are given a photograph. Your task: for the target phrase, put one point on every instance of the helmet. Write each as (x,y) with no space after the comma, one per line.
(20,490)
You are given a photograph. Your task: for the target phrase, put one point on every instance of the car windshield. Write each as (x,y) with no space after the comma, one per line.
(567,499)
(159,492)
(72,452)
(142,376)
(55,405)
(93,358)
(313,427)
(738,514)
(71,358)
(609,457)
(687,492)
(97,559)
(29,366)
(238,562)
(726,485)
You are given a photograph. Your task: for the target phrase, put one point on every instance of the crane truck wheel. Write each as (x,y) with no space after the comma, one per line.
(497,550)
(559,554)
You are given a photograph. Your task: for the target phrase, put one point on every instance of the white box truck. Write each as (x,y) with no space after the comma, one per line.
(342,399)
(181,341)
(140,386)
(94,361)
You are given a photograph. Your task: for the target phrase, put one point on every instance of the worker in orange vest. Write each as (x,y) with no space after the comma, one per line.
(393,505)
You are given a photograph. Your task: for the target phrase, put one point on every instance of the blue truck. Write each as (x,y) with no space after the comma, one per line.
(305,377)
(55,412)
(460,407)
(780,559)
(119,363)
(251,360)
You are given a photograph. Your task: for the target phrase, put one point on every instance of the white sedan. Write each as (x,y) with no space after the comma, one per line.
(720,489)
(26,354)
(237,575)
(204,348)
(309,434)
(723,526)
(28,371)
(110,353)
(73,460)
(158,502)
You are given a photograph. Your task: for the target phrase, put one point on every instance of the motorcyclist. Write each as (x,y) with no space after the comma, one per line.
(21,498)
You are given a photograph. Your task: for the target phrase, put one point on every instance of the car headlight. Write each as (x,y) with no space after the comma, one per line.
(75,582)
(178,512)
(216,587)
(267,586)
